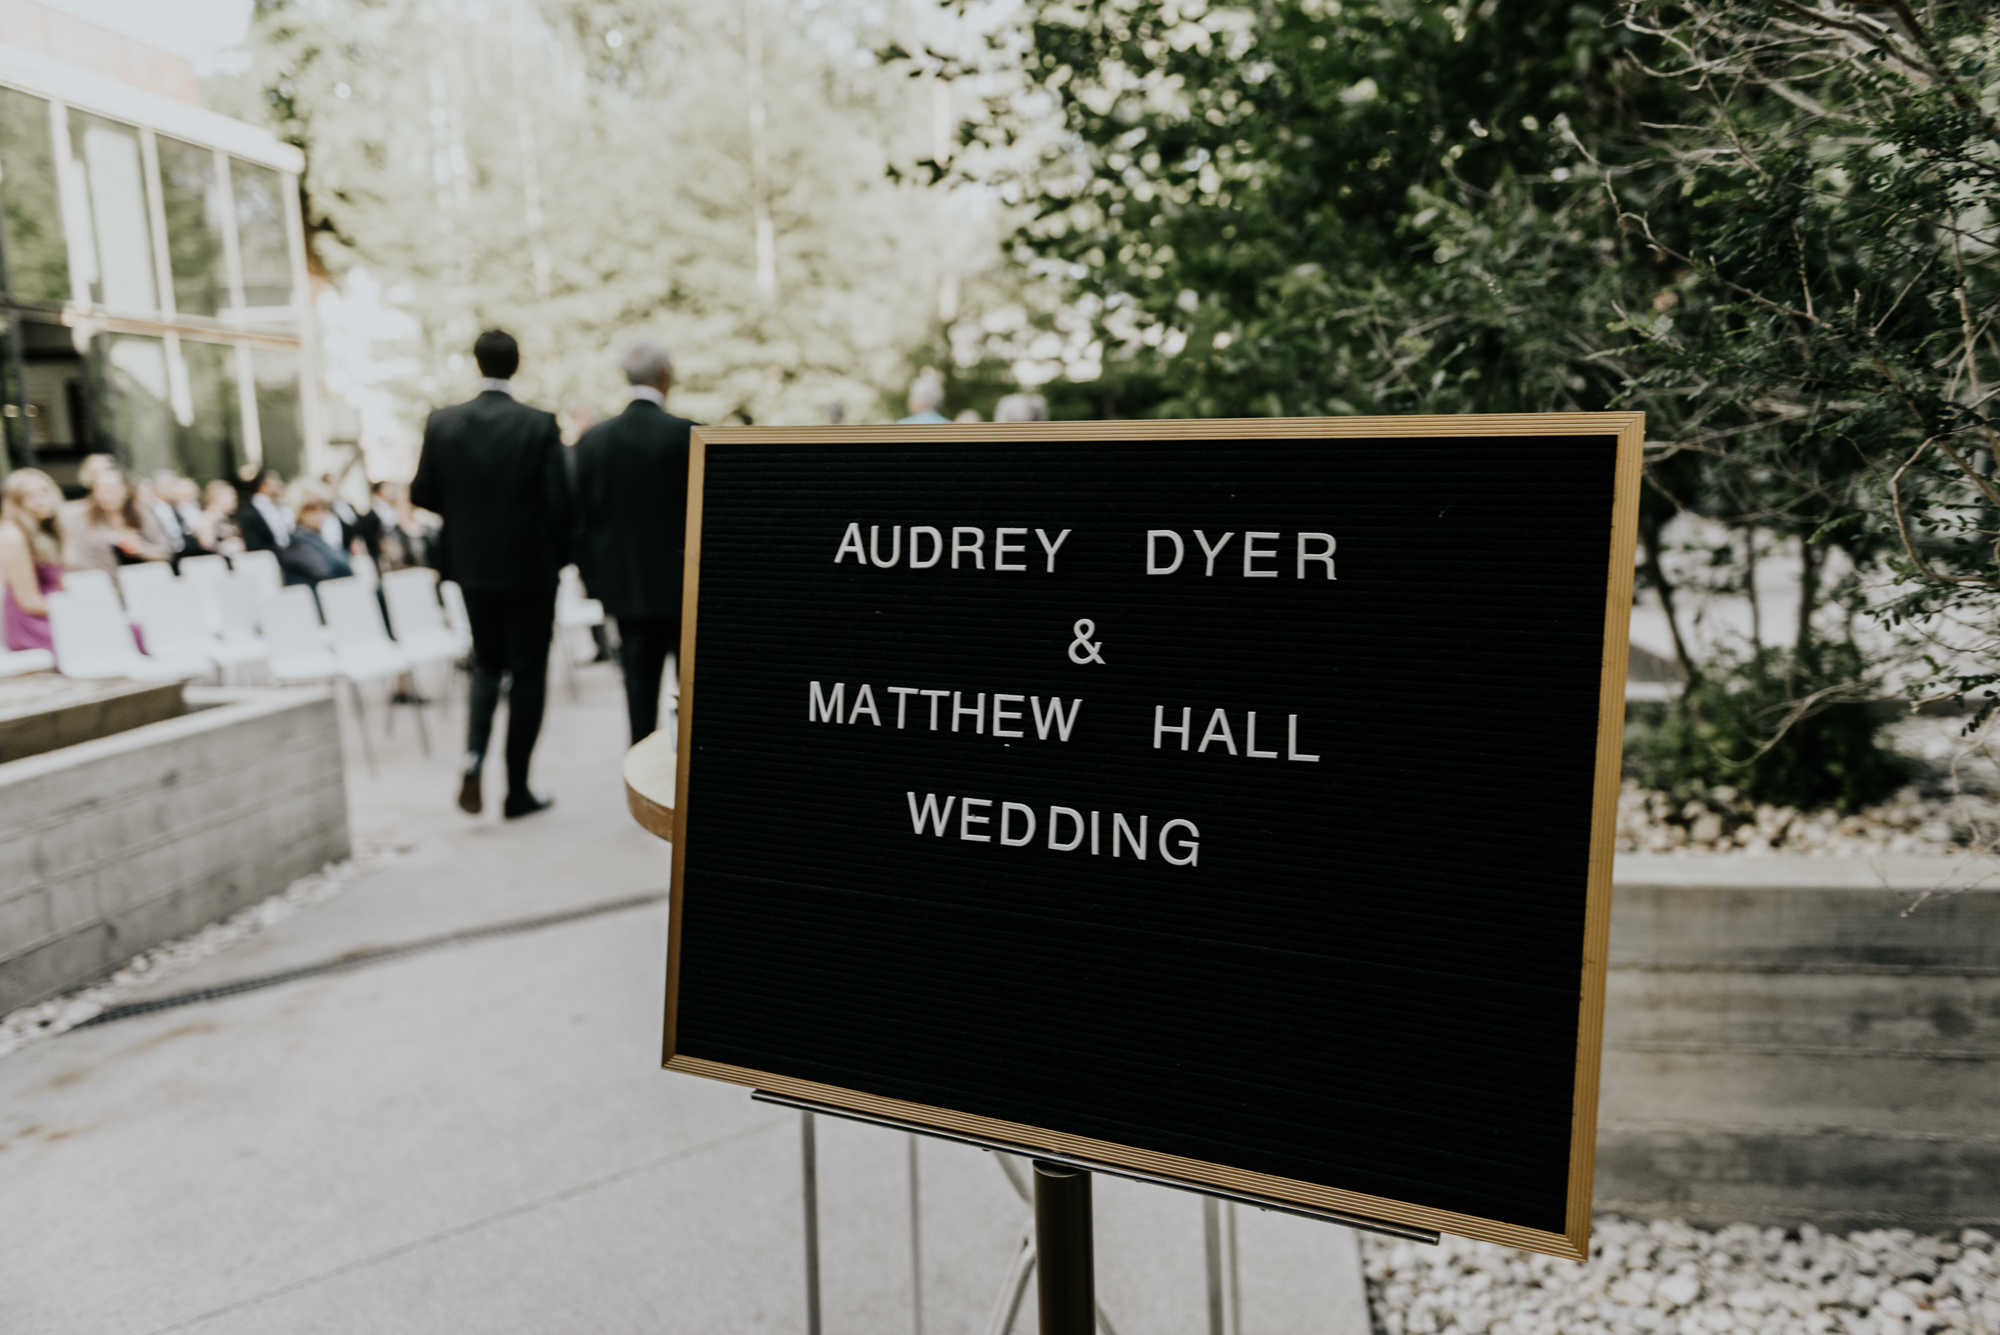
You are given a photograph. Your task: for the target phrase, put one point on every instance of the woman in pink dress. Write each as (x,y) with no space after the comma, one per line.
(30,556)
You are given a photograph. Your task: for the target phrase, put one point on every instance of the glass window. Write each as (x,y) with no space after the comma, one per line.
(114,179)
(260,234)
(142,414)
(37,257)
(191,192)
(280,416)
(212,445)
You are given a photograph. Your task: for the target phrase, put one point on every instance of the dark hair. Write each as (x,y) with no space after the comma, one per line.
(498,355)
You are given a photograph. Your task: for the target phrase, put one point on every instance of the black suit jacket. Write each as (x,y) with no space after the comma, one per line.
(256,530)
(631,494)
(492,469)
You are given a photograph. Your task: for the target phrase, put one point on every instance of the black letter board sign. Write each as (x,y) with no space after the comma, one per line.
(1226,801)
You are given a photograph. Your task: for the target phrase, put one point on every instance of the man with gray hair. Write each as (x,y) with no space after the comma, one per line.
(926,393)
(631,498)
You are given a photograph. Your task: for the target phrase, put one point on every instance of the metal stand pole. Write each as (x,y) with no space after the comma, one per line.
(1237,1288)
(809,1162)
(1063,1254)
(916,1246)
(1225,1297)
(1211,1248)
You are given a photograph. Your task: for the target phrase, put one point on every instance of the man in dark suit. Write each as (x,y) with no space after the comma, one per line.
(492,469)
(261,516)
(631,491)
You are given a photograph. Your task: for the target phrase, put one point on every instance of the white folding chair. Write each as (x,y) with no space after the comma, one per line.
(169,612)
(238,610)
(455,615)
(261,569)
(573,611)
(134,581)
(165,612)
(299,652)
(94,641)
(206,576)
(417,618)
(361,641)
(20,662)
(89,581)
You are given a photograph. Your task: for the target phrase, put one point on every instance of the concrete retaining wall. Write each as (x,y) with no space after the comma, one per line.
(1784,1046)
(112,846)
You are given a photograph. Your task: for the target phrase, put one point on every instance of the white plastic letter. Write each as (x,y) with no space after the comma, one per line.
(1211,552)
(1002,548)
(902,694)
(937,547)
(864,703)
(1120,831)
(1190,845)
(1007,809)
(1055,814)
(850,541)
(821,709)
(978,712)
(1055,716)
(1252,552)
(934,697)
(1326,556)
(1001,715)
(875,545)
(930,814)
(1153,536)
(976,549)
(1292,740)
(1161,726)
(1250,742)
(966,819)
(1050,547)
(1218,731)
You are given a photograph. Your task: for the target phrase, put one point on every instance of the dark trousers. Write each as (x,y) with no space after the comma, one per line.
(643,646)
(511,631)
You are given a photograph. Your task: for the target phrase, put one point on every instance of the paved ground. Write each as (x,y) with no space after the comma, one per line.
(479,1138)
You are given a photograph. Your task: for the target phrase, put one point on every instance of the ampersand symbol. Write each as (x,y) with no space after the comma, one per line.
(1081,650)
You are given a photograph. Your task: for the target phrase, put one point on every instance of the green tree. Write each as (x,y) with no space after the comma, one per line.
(1837,172)
(1302,206)
(582,171)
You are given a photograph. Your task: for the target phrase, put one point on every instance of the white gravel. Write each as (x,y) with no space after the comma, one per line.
(60,1014)
(1912,822)
(1666,1278)
(1953,808)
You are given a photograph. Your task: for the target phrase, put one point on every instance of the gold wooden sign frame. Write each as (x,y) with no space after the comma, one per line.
(1628,428)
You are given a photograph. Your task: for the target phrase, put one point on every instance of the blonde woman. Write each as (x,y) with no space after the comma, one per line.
(215,529)
(30,556)
(107,528)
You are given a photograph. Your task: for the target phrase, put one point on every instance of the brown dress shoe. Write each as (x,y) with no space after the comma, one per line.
(469,799)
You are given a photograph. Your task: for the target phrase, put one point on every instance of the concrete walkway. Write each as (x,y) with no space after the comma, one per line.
(479,1138)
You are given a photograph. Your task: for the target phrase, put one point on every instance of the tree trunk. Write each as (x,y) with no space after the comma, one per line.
(1649,540)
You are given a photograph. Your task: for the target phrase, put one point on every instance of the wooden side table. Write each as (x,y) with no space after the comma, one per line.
(649,783)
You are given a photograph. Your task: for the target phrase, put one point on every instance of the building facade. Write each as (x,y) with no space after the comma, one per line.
(153,277)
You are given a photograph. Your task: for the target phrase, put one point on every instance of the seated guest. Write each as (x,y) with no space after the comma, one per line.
(86,473)
(266,525)
(215,525)
(401,538)
(342,514)
(157,498)
(30,556)
(184,495)
(1022,408)
(308,557)
(926,393)
(107,529)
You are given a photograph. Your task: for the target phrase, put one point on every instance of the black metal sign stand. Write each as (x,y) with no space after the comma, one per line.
(1066,1282)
